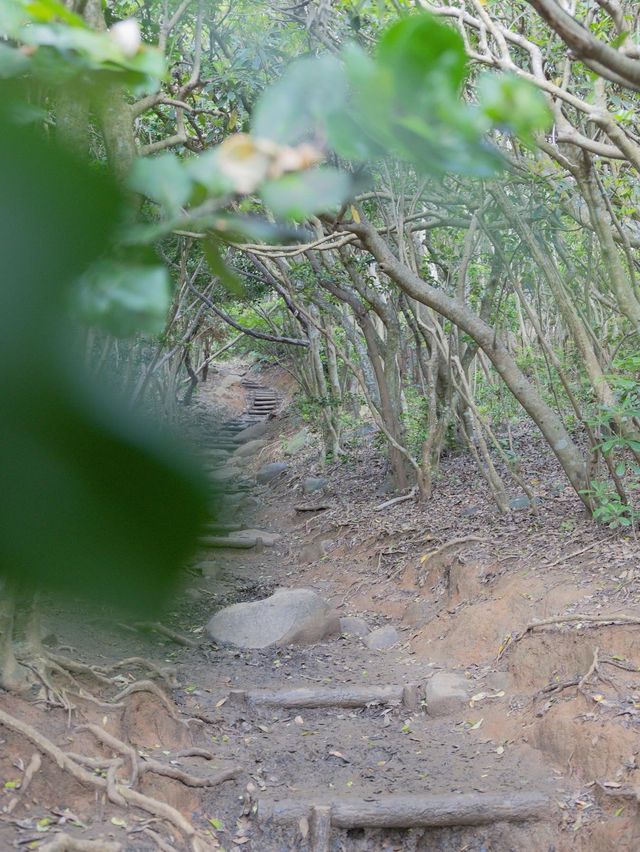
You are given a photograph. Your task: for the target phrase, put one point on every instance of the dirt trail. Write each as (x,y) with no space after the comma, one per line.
(509,746)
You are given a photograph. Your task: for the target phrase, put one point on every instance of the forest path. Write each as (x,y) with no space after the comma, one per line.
(382,763)
(375,767)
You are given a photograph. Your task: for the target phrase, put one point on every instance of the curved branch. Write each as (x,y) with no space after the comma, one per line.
(587,47)
(260,335)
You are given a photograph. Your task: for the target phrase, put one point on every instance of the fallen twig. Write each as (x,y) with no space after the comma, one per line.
(178,638)
(395,500)
(67,843)
(568,556)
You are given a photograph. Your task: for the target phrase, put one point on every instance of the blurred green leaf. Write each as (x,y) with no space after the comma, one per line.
(163,179)
(421,53)
(12,61)
(299,195)
(99,504)
(513,103)
(204,170)
(126,298)
(232,282)
(298,105)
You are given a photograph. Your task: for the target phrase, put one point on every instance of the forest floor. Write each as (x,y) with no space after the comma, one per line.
(538,610)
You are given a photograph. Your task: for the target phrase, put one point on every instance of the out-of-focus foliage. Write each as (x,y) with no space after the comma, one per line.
(91,501)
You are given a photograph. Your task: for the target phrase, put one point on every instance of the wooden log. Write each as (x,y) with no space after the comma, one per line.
(412,811)
(342,696)
(320,825)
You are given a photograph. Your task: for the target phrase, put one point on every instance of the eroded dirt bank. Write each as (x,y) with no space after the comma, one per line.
(547,710)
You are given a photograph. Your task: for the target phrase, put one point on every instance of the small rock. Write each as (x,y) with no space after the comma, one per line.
(288,617)
(297,443)
(314,551)
(417,614)
(383,638)
(446,694)
(314,483)
(470,511)
(351,625)
(366,430)
(522,502)
(270,471)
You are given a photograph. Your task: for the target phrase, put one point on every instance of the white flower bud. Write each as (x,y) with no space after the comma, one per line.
(245,161)
(126,35)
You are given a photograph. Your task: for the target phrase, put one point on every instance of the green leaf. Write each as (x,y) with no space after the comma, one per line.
(219,268)
(101,505)
(297,196)
(297,106)
(420,52)
(511,102)
(12,62)
(49,10)
(204,170)
(216,823)
(126,298)
(163,179)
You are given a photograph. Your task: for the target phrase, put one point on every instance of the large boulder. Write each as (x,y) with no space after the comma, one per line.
(288,617)
(270,471)
(250,448)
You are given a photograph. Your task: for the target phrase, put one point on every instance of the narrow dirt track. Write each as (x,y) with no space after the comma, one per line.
(387,775)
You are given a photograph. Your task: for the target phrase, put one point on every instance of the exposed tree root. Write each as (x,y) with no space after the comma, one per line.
(32,767)
(395,500)
(165,673)
(148,764)
(116,792)
(158,840)
(584,620)
(154,689)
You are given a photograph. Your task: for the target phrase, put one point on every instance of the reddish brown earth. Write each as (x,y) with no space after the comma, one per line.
(556,706)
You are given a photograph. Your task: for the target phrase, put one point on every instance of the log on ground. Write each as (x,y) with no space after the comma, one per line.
(412,811)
